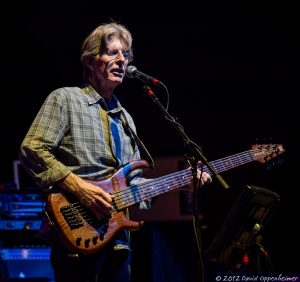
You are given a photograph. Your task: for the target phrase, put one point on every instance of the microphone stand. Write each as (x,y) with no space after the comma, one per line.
(193,155)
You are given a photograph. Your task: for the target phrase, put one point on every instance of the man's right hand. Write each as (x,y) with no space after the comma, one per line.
(90,195)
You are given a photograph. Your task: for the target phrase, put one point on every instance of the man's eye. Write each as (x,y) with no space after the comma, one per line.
(114,52)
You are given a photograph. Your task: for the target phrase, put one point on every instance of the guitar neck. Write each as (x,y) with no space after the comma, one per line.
(154,187)
(232,161)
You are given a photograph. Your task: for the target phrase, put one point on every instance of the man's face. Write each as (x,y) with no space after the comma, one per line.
(111,64)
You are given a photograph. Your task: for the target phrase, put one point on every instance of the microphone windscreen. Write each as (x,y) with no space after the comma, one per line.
(130,70)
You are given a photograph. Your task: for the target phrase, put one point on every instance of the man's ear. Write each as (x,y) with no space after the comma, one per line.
(89,62)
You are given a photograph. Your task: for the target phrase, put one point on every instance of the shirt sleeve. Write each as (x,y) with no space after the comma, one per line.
(43,137)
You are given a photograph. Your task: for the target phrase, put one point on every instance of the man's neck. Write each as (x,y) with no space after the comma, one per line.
(105,91)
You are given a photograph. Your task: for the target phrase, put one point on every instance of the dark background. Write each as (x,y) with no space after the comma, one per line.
(231,69)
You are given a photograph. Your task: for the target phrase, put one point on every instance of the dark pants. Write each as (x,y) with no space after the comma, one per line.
(108,265)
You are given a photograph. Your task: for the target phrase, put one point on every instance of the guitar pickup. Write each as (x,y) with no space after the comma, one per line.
(72,216)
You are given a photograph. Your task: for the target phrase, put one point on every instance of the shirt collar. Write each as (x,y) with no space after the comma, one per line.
(94,97)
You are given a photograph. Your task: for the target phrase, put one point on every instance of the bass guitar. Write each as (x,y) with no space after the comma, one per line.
(82,232)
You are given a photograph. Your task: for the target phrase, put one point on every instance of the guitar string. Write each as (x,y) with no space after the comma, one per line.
(143,189)
(225,163)
(126,198)
(222,163)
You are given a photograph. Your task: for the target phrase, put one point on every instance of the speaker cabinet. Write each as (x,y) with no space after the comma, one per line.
(26,264)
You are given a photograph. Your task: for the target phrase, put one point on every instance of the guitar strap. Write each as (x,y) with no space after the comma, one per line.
(136,139)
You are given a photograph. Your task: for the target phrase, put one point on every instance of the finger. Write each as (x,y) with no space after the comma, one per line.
(103,203)
(106,197)
(206,176)
(100,210)
(209,179)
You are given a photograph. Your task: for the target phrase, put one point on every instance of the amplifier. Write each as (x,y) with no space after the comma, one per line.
(25,254)
(21,205)
(26,263)
(19,224)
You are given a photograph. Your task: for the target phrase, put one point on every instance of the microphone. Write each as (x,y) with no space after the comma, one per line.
(133,72)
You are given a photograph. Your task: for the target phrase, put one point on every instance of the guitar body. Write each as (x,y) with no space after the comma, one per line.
(80,230)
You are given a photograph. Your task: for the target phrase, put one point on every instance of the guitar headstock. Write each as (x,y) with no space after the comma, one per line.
(265,152)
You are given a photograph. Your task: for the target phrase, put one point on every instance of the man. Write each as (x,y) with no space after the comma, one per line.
(83,134)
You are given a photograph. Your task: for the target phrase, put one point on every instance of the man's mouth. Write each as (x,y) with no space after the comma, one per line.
(117,72)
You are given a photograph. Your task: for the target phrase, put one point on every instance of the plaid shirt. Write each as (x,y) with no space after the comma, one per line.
(75,130)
